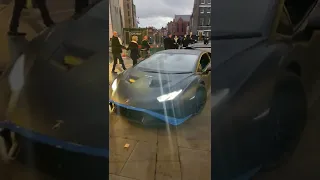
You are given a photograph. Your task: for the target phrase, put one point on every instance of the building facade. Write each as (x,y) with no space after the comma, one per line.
(130,18)
(134,16)
(200,20)
(115,16)
(179,25)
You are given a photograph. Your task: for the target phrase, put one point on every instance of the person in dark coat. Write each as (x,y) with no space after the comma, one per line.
(116,48)
(134,50)
(19,5)
(168,42)
(145,47)
(185,41)
(175,41)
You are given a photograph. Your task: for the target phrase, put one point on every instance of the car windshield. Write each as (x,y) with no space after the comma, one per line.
(169,63)
(237,17)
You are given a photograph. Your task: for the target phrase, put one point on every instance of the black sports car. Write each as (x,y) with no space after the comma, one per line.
(260,71)
(171,85)
(58,100)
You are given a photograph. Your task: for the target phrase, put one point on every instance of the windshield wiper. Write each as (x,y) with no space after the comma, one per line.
(236,35)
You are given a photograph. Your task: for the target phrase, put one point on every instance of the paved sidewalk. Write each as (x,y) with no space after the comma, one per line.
(5,16)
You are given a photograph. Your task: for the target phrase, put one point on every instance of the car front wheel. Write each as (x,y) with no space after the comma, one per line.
(286,121)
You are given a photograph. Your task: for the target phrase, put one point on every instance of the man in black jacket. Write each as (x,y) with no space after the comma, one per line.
(18,7)
(145,47)
(116,48)
(169,42)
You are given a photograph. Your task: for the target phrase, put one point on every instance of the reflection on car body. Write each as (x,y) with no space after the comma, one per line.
(170,86)
(55,84)
(258,69)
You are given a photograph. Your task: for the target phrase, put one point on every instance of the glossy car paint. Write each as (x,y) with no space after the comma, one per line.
(248,69)
(75,98)
(141,95)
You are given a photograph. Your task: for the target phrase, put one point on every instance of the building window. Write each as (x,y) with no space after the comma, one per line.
(209,22)
(209,10)
(128,6)
(209,1)
(202,2)
(128,13)
(178,28)
(201,21)
(201,10)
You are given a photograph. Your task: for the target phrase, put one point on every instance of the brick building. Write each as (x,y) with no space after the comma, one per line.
(179,25)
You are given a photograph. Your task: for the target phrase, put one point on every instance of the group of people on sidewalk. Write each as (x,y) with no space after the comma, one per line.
(117,47)
(173,42)
(19,5)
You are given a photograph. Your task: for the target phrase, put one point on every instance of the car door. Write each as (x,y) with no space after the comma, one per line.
(202,69)
(294,19)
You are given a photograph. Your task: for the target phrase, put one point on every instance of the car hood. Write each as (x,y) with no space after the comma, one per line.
(135,84)
(223,50)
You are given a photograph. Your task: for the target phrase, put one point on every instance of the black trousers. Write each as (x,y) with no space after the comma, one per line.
(18,7)
(115,58)
(134,61)
(80,5)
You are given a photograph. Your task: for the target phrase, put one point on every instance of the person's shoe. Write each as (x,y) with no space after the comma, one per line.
(114,72)
(12,33)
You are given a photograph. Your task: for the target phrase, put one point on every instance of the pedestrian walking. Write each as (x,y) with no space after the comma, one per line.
(145,47)
(19,5)
(116,48)
(185,41)
(176,45)
(168,42)
(134,50)
(206,40)
(80,5)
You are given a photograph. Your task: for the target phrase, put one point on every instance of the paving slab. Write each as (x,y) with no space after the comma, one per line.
(5,16)
(167,170)
(195,164)
(115,177)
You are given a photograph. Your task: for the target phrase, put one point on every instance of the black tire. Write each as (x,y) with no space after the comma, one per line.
(286,121)
(200,99)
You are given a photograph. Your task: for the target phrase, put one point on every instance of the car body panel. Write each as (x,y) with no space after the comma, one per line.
(63,107)
(246,70)
(138,90)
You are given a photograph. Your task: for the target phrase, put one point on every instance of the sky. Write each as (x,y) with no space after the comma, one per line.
(158,13)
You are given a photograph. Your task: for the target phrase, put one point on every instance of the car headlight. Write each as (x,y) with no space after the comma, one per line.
(114,85)
(169,96)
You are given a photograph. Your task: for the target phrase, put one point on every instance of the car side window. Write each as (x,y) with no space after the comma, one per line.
(298,9)
(285,26)
(203,63)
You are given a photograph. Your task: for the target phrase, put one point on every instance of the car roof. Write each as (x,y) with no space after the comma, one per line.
(182,51)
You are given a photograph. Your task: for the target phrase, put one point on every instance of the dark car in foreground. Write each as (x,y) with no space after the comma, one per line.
(170,86)
(260,75)
(57,112)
